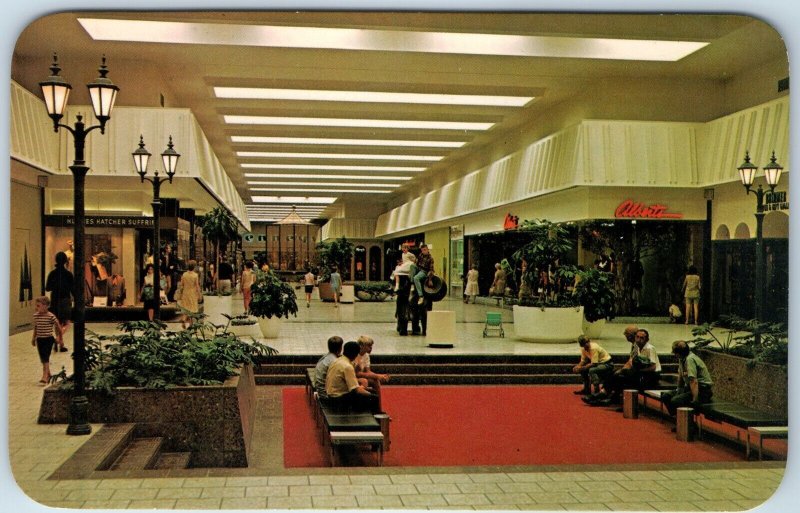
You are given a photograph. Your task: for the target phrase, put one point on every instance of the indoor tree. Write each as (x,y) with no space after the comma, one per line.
(337,252)
(220,227)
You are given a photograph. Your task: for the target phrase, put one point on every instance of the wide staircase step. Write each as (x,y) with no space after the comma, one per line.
(98,453)
(449,369)
(172,460)
(140,454)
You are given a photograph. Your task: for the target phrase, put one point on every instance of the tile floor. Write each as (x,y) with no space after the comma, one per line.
(35,451)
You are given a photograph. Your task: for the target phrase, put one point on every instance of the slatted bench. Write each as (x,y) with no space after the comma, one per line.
(374,438)
(738,415)
(762,432)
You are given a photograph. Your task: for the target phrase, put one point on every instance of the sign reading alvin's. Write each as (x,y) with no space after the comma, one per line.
(634,210)
(101,221)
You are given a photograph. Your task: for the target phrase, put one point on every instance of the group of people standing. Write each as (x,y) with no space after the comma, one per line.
(410,277)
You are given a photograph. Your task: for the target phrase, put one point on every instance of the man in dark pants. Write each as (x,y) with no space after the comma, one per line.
(694,380)
(344,391)
(402,308)
(419,317)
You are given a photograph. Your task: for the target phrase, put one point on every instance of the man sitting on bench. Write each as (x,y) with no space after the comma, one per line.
(321,370)
(694,380)
(641,371)
(595,366)
(343,388)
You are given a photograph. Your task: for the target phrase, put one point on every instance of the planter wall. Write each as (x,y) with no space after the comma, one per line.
(560,325)
(376,297)
(214,423)
(763,387)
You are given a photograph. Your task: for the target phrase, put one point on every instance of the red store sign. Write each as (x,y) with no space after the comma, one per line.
(633,210)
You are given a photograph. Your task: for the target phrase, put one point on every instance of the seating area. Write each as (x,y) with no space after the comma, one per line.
(353,429)
(748,422)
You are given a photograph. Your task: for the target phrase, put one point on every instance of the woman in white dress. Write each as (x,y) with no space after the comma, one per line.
(472,284)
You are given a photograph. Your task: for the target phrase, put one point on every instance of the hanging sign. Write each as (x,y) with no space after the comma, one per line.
(106,221)
(635,210)
(776,201)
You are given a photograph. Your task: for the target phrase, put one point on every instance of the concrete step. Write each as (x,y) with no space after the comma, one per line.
(172,460)
(140,454)
(98,453)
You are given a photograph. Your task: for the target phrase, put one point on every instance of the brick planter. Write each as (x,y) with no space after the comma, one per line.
(214,423)
(762,387)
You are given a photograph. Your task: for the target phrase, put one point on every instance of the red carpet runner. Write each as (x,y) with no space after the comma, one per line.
(500,425)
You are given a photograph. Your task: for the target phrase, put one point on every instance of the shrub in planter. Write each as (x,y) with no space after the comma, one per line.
(373,290)
(147,355)
(595,292)
(762,342)
(337,253)
(272,297)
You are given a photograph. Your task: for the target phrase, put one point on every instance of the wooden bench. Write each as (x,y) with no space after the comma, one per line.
(339,438)
(762,432)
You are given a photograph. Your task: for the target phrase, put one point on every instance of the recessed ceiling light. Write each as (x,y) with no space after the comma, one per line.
(327,184)
(256,93)
(333,168)
(364,156)
(386,40)
(344,142)
(294,199)
(300,189)
(325,176)
(356,123)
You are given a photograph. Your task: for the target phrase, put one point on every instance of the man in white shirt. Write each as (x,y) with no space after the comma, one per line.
(343,388)
(321,370)
(641,371)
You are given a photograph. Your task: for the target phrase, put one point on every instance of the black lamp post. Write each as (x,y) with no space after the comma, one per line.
(772,173)
(170,159)
(103,93)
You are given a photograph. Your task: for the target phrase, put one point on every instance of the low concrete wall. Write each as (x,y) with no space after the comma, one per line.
(214,423)
(763,387)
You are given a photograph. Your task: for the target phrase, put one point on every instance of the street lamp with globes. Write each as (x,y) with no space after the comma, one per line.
(747,174)
(170,160)
(103,94)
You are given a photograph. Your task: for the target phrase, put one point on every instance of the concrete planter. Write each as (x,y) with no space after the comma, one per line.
(214,423)
(551,325)
(763,386)
(377,297)
(593,330)
(270,326)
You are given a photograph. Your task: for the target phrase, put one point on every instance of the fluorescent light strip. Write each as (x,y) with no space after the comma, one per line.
(293,199)
(356,123)
(327,184)
(332,168)
(386,40)
(256,93)
(345,142)
(324,176)
(289,189)
(365,156)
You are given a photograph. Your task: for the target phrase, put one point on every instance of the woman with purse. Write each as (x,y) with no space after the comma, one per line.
(188,294)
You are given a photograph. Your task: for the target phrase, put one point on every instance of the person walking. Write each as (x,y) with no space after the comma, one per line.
(336,285)
(309,280)
(248,278)
(45,324)
(190,293)
(59,284)
(691,294)
(472,284)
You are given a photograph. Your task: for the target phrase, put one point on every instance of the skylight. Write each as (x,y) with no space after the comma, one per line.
(370,96)
(386,40)
(325,176)
(344,142)
(364,156)
(356,123)
(294,199)
(333,168)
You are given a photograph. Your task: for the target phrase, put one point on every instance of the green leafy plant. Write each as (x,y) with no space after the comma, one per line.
(373,290)
(595,292)
(765,342)
(220,227)
(337,252)
(147,355)
(271,296)
(548,245)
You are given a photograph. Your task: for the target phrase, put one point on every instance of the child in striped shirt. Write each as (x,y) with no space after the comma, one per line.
(44,325)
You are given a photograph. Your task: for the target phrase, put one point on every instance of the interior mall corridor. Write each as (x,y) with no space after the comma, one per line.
(36,451)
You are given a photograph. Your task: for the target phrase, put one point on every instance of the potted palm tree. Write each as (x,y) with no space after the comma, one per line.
(220,227)
(595,292)
(336,253)
(272,299)
(545,312)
